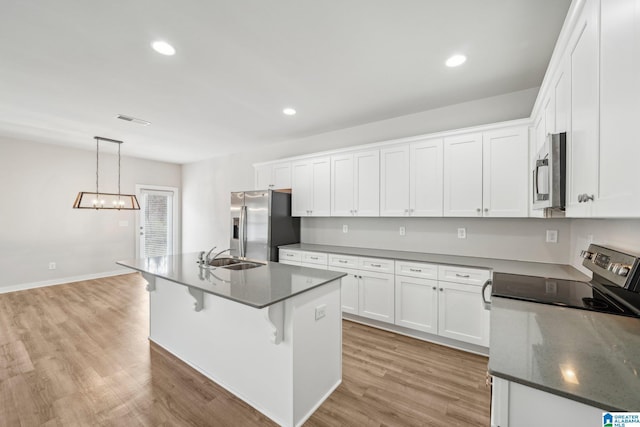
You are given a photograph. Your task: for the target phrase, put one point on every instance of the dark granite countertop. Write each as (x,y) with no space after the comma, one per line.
(257,287)
(590,357)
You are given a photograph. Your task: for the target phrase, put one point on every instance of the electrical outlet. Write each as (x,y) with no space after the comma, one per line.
(52,265)
(403,231)
(345,228)
(321,311)
(552,236)
(462,233)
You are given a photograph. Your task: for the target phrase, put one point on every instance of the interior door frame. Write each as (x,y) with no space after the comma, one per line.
(177,224)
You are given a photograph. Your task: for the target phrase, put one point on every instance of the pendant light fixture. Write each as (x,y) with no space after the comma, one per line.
(97,200)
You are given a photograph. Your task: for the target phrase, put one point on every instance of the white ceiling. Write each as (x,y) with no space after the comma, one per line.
(67,68)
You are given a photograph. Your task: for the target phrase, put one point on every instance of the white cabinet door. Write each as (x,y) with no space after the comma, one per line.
(463,175)
(461,314)
(262,177)
(619,151)
(376,296)
(505,173)
(281,175)
(426,178)
(321,186)
(394,180)
(342,186)
(349,289)
(417,303)
(582,150)
(367,183)
(301,188)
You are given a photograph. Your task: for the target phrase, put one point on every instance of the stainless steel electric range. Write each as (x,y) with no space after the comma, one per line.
(614,288)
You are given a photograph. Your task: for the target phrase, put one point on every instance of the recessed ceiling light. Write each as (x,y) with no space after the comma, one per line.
(289,111)
(456,60)
(163,47)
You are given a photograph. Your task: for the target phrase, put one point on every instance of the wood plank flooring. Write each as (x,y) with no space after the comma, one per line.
(78,355)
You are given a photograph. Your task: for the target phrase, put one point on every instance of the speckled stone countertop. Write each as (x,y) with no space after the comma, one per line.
(590,357)
(257,287)
(557,271)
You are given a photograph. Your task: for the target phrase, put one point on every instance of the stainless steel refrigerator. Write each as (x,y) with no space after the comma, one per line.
(261,221)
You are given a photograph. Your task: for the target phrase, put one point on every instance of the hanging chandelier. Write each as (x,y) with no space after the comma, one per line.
(97,200)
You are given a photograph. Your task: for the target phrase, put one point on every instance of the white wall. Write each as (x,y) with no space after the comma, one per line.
(37,222)
(518,239)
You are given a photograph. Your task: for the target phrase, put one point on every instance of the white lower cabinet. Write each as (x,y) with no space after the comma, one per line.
(516,405)
(376,294)
(461,313)
(438,299)
(417,303)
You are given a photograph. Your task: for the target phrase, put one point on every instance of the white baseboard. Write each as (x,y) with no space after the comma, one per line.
(62,281)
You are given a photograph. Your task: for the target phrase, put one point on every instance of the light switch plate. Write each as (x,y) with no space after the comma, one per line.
(462,233)
(552,236)
(345,228)
(403,231)
(321,311)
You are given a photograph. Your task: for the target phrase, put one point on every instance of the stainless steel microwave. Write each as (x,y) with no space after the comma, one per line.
(549,173)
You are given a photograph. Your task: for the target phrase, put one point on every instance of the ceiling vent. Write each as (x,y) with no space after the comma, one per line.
(133,120)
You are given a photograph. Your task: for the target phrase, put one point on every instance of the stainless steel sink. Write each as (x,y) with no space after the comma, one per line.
(223,262)
(234,263)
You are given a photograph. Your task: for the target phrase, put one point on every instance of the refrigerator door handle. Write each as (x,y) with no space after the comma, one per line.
(243,228)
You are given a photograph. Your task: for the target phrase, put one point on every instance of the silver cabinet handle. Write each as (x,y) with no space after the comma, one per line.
(410,210)
(415,270)
(441,289)
(342,261)
(313,257)
(376,265)
(466,276)
(478,210)
(434,288)
(486,209)
(289,254)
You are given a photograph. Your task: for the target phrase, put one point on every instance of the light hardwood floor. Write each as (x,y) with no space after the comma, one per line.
(78,355)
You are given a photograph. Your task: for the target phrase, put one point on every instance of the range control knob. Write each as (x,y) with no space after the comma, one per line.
(619,269)
(586,254)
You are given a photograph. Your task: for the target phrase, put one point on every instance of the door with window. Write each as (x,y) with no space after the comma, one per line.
(156,228)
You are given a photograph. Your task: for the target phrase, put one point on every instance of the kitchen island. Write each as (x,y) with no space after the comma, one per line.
(271,335)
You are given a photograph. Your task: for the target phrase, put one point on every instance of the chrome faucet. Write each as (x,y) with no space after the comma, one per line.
(209,259)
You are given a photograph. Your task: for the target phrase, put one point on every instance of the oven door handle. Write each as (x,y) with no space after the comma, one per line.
(487,304)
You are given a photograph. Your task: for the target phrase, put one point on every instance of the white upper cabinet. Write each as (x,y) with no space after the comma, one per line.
(463,175)
(426,178)
(273,176)
(411,179)
(355,184)
(505,173)
(394,180)
(310,187)
(342,194)
(618,191)
(582,150)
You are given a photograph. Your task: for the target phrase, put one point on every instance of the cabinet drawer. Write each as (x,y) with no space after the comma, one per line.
(314,258)
(470,276)
(416,269)
(345,261)
(289,255)
(316,266)
(376,264)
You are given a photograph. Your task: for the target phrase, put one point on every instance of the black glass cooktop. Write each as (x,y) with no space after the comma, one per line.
(565,293)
